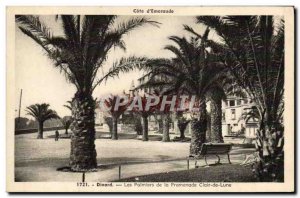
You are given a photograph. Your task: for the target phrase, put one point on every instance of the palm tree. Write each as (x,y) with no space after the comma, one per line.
(108,121)
(254,49)
(182,124)
(215,115)
(252,113)
(166,119)
(162,117)
(79,54)
(66,121)
(41,113)
(159,122)
(144,114)
(115,113)
(166,127)
(225,85)
(193,71)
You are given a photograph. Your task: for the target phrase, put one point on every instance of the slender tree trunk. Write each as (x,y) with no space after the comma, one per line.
(182,136)
(145,128)
(199,128)
(208,131)
(114,128)
(166,128)
(138,125)
(181,124)
(40,130)
(160,126)
(83,152)
(66,132)
(216,120)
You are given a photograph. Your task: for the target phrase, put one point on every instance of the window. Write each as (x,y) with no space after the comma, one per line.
(233,114)
(238,102)
(231,103)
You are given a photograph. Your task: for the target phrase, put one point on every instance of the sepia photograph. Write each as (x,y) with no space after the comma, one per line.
(158,99)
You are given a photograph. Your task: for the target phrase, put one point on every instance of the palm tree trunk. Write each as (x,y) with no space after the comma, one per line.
(159,122)
(269,144)
(181,124)
(160,126)
(199,128)
(216,120)
(40,130)
(66,132)
(166,128)
(145,127)
(208,131)
(182,136)
(114,128)
(83,152)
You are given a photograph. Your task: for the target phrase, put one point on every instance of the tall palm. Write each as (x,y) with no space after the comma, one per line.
(66,121)
(42,113)
(115,113)
(166,127)
(166,117)
(79,53)
(193,71)
(215,131)
(143,113)
(182,124)
(225,85)
(254,47)
(159,122)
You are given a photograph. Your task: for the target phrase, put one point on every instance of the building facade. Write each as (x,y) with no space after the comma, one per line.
(233,122)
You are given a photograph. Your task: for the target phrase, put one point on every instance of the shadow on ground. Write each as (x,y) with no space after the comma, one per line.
(100,135)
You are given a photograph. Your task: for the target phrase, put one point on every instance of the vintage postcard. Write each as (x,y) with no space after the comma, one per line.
(150,99)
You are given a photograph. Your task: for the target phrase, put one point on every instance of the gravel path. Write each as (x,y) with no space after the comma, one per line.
(37,160)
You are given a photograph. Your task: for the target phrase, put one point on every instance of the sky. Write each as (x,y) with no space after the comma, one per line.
(42,83)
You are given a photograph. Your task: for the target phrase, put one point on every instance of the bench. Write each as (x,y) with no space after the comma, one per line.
(209,149)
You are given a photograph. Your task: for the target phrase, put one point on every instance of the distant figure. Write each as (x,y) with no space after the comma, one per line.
(229,129)
(243,129)
(56,135)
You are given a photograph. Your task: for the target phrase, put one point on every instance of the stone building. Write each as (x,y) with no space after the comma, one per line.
(232,120)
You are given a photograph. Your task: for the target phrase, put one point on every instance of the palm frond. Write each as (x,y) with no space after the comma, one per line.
(131,24)
(122,66)
(70,30)
(191,30)
(68,105)
(35,29)
(255,59)
(41,112)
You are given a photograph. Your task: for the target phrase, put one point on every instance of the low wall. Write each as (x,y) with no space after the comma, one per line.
(25,131)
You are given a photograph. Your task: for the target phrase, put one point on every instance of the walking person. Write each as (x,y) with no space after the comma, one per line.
(56,135)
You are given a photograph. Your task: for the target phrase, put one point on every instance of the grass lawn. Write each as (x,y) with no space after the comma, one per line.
(219,173)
